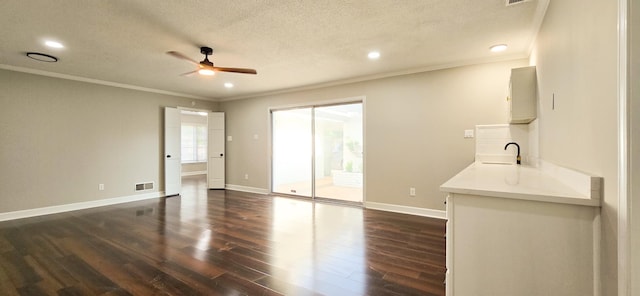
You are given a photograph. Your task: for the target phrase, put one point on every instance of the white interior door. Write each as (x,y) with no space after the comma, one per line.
(172,164)
(215,165)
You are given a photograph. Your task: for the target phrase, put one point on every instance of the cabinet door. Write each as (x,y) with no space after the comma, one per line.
(506,247)
(522,95)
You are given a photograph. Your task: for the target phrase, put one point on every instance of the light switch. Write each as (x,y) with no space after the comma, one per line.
(468,133)
(229,138)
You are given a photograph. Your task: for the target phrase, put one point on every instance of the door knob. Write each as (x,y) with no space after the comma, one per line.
(168,156)
(221,154)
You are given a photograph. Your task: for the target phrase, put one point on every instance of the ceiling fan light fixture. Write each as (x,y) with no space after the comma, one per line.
(206,72)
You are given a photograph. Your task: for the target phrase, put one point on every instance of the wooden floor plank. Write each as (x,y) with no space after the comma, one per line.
(6,286)
(221,242)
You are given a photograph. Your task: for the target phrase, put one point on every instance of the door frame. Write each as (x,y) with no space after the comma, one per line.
(319,103)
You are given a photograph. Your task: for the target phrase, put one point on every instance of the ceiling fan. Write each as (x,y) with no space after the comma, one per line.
(206,67)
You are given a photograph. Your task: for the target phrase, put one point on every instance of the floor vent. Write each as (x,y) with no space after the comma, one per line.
(144,186)
(514,2)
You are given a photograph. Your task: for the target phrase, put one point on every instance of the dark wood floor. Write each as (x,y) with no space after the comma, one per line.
(223,243)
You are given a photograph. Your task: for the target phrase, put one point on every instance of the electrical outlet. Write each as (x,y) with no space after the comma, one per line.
(412,191)
(101,187)
(246,176)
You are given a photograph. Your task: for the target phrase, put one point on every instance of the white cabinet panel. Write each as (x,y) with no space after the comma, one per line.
(522,95)
(498,246)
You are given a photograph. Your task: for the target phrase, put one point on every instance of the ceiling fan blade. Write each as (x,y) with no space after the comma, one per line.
(235,70)
(181,56)
(189,73)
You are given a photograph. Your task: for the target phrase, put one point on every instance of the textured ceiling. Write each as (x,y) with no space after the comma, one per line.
(292,44)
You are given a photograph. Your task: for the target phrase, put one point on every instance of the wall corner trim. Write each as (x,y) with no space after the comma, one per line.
(77,206)
(438,214)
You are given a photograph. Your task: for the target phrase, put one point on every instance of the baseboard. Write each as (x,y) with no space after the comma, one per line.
(246,189)
(406,210)
(77,206)
(194,173)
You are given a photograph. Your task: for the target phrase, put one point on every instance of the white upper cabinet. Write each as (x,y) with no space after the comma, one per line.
(522,95)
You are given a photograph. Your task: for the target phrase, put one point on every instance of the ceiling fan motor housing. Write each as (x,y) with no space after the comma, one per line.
(206,50)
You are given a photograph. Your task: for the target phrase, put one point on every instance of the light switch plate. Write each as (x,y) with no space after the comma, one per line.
(229,138)
(468,133)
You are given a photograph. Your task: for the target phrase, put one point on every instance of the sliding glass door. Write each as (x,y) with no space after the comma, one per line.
(318,152)
(292,153)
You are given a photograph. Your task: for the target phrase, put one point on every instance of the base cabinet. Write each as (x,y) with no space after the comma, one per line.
(500,246)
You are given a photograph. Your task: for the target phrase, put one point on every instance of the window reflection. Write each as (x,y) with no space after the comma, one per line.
(317,246)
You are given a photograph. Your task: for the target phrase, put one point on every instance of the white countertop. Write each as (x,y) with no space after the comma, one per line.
(516,182)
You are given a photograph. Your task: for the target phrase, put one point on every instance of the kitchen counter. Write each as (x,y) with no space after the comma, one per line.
(547,183)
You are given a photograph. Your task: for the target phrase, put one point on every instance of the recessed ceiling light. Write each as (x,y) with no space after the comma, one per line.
(498,48)
(228,84)
(42,57)
(53,44)
(206,72)
(374,55)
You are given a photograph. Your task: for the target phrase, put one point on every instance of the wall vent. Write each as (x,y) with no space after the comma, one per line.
(144,186)
(514,2)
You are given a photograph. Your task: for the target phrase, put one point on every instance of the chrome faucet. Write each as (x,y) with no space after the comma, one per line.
(514,143)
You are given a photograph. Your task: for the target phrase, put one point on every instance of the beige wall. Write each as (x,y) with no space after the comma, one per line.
(576,58)
(61,138)
(414,128)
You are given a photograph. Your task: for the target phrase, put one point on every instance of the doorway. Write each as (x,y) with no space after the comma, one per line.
(193,146)
(203,146)
(193,142)
(318,151)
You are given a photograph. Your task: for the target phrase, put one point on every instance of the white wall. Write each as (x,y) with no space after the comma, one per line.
(576,58)
(62,138)
(414,128)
